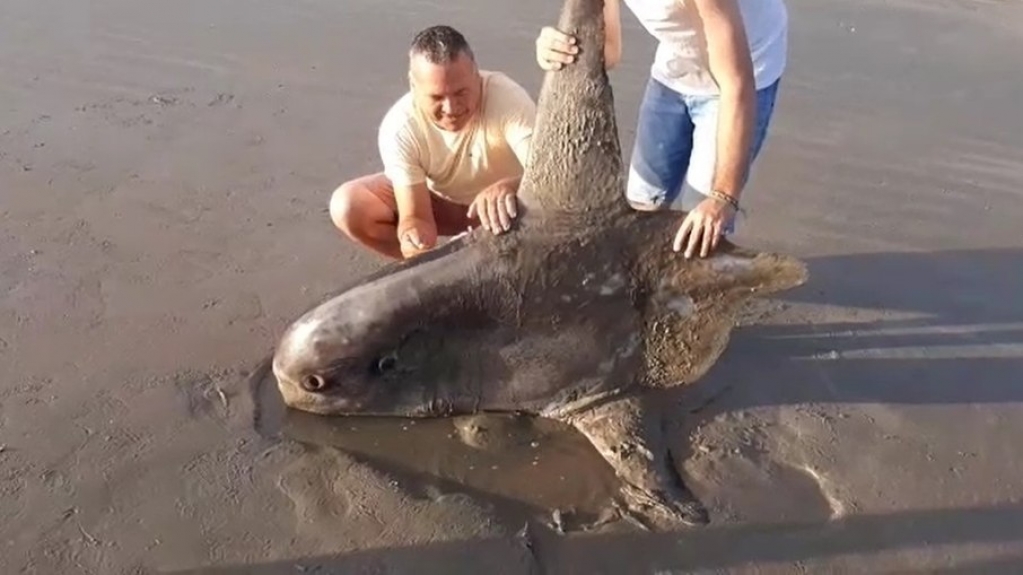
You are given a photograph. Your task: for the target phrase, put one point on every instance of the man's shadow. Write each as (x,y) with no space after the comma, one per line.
(889,328)
(812,546)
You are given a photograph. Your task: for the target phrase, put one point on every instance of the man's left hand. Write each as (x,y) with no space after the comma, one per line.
(703,227)
(496,206)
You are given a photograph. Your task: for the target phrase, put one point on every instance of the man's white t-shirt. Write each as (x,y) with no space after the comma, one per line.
(681,61)
(459,165)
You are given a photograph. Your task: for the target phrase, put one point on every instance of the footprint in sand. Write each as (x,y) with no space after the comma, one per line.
(342,503)
(740,469)
(313,484)
(760,490)
(205,395)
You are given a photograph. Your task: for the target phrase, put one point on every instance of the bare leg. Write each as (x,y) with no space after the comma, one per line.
(364,209)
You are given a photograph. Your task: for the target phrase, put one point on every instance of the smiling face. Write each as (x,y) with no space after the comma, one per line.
(446,91)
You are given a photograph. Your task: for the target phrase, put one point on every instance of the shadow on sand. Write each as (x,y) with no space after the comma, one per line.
(959,339)
(938,328)
(708,548)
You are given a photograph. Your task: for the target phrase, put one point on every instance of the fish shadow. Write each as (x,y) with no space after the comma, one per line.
(937,328)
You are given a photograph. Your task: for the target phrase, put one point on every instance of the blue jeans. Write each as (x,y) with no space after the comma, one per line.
(674,153)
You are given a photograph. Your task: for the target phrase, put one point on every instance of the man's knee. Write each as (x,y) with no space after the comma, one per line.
(344,205)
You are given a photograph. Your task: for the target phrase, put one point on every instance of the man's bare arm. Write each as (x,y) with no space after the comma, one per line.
(555,48)
(416,229)
(732,69)
(413,201)
(612,34)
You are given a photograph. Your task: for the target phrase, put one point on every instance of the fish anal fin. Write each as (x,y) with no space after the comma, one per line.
(629,435)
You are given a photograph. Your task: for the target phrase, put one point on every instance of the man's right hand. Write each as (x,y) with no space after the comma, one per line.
(554,49)
(416,235)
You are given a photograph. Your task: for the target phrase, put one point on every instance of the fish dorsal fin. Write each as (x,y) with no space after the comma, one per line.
(575,164)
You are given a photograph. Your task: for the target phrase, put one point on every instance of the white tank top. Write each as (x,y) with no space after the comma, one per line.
(681,61)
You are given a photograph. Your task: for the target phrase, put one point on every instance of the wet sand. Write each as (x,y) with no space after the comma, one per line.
(164,173)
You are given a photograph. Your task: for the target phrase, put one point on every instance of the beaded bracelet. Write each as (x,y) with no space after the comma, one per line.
(723,197)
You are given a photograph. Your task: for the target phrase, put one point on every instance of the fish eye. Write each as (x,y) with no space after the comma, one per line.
(313,383)
(384,364)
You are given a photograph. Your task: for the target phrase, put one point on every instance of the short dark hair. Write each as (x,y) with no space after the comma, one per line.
(440,44)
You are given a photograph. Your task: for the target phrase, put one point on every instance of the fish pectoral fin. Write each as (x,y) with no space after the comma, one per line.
(691,309)
(630,437)
(682,339)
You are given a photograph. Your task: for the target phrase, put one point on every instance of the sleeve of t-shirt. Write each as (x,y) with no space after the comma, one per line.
(518,114)
(399,149)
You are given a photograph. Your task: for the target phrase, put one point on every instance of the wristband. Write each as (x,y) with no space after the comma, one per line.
(721,196)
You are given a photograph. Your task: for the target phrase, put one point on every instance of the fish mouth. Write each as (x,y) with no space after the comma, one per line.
(367,405)
(333,394)
(322,404)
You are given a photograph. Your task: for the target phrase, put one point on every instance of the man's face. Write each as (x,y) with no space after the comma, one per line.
(448,93)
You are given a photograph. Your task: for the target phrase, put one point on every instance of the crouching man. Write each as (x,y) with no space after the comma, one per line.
(454,149)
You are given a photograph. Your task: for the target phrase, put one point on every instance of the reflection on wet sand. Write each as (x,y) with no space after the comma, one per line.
(510,460)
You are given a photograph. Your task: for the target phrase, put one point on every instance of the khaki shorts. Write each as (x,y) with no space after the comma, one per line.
(451,218)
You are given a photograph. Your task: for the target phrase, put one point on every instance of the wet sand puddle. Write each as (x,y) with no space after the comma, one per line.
(525,467)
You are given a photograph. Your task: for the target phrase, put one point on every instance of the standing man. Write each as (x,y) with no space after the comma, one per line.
(707,105)
(454,149)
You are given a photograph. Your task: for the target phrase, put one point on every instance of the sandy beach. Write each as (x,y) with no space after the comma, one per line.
(165,169)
